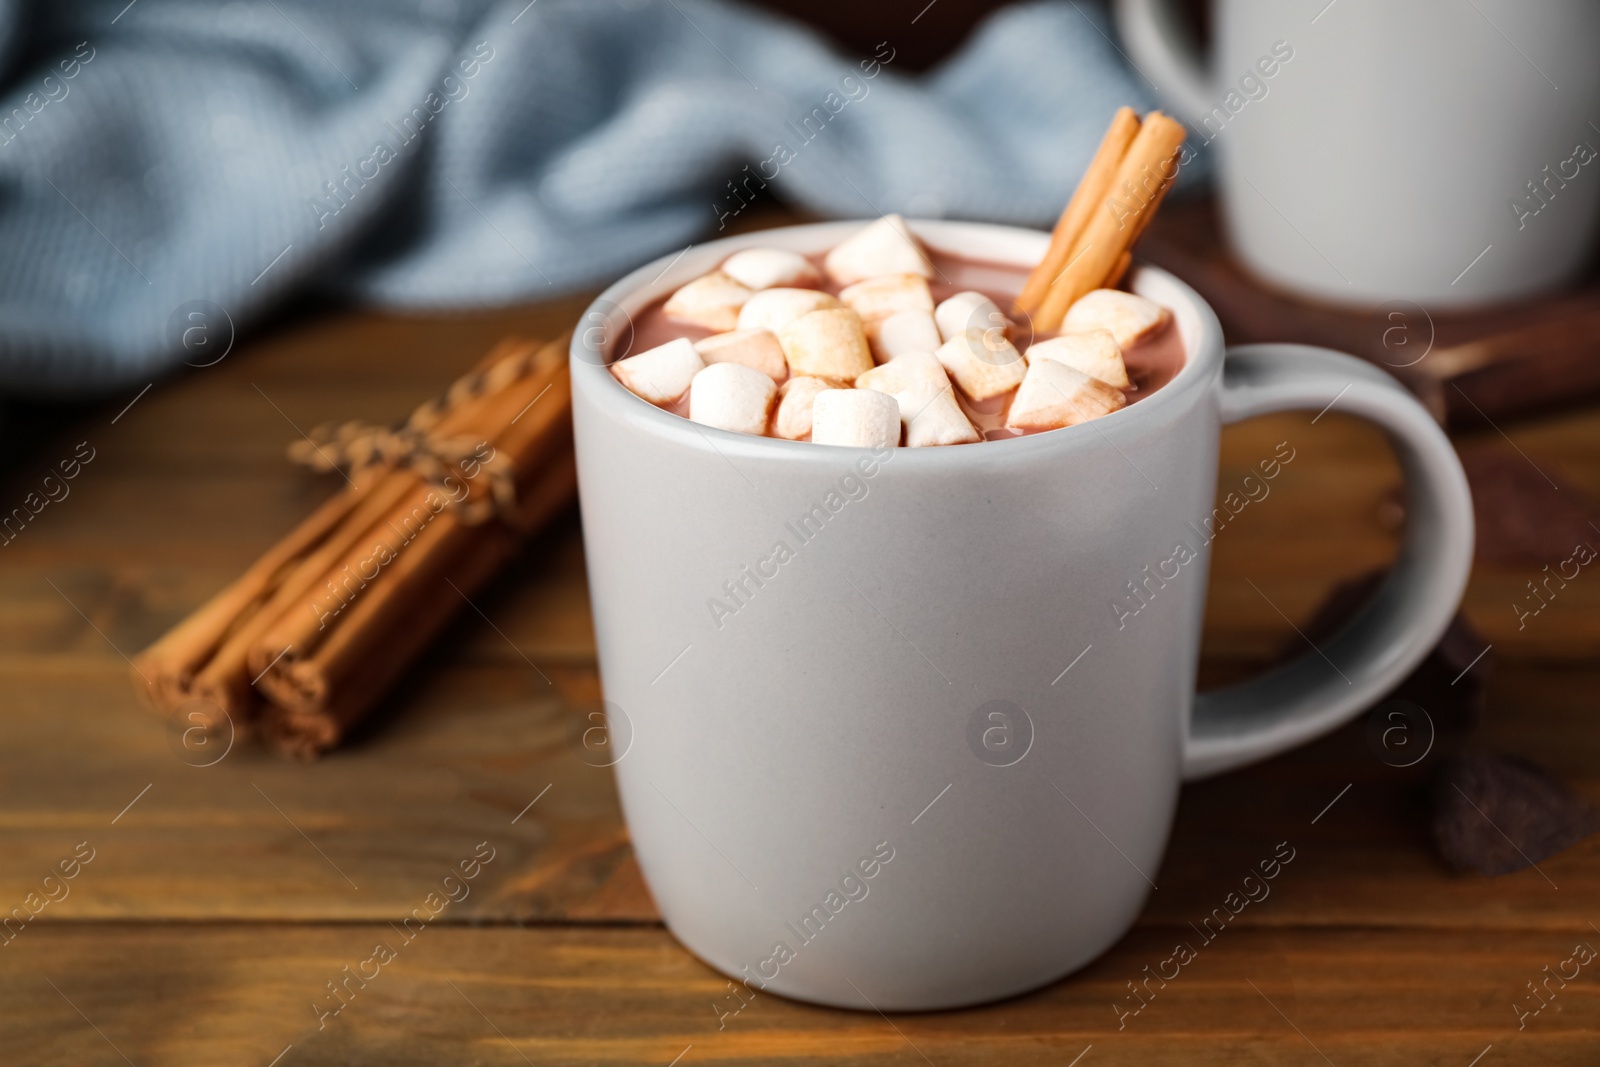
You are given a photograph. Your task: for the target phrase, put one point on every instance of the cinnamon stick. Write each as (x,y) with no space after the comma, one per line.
(312,677)
(420,524)
(262,644)
(1140,182)
(1113,279)
(1091,192)
(224,681)
(200,657)
(309,715)
(164,672)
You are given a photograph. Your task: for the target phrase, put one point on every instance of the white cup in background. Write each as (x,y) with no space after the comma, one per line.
(1439,151)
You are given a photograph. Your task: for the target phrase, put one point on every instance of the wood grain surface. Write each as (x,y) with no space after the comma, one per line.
(225,993)
(222,898)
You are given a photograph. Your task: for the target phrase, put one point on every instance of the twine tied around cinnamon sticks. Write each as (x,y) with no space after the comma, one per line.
(419,444)
(1091,246)
(303,644)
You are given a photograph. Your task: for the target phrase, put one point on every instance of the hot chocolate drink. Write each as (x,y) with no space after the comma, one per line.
(882,341)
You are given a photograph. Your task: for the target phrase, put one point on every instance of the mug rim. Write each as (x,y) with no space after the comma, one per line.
(591,375)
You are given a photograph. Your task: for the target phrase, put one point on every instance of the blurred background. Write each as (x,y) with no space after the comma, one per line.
(178,174)
(226,224)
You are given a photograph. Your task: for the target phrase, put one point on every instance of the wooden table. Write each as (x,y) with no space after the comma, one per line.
(221,900)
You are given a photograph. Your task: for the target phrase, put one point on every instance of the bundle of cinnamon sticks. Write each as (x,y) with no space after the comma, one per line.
(302,645)
(1091,246)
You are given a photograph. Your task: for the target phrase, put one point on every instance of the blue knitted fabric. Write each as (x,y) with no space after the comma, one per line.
(460,153)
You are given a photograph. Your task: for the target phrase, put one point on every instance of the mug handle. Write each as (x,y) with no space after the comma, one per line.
(1163,50)
(1336,679)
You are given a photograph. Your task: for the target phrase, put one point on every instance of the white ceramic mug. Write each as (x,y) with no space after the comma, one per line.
(1436,151)
(928,755)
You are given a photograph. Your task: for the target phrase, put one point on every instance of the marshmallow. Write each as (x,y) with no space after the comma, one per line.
(1055,395)
(773,309)
(928,405)
(731,396)
(877,298)
(712,301)
(969,311)
(1130,318)
(827,344)
(885,247)
(1095,353)
(757,349)
(794,410)
(860,418)
(984,365)
(764,268)
(661,374)
(902,333)
(942,422)
(914,379)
